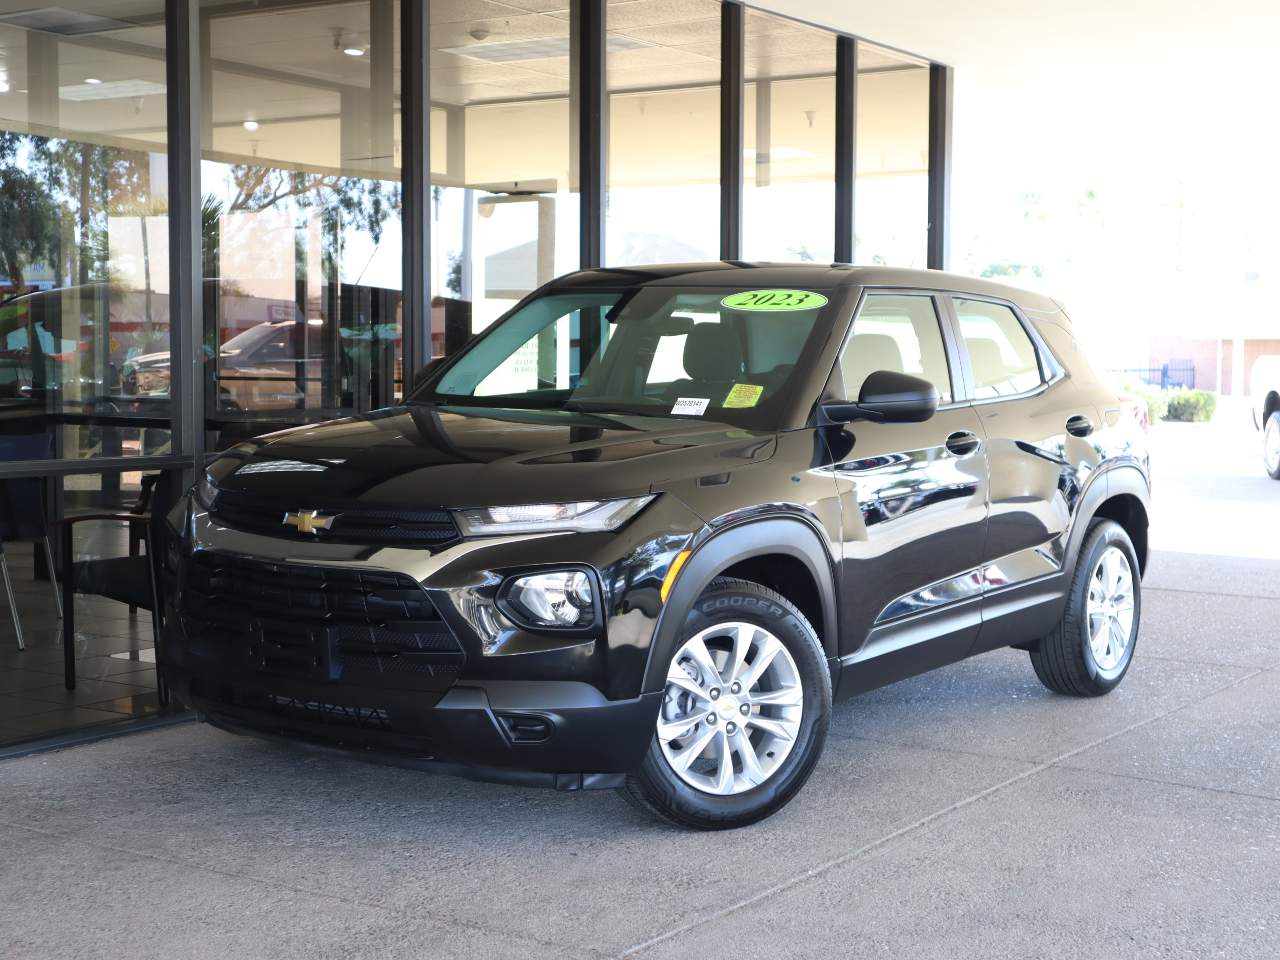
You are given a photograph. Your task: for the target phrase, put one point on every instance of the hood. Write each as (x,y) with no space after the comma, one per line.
(419,455)
(160,359)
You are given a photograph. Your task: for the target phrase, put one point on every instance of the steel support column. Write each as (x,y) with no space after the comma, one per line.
(846,147)
(732,84)
(941,81)
(185,107)
(415,170)
(589,98)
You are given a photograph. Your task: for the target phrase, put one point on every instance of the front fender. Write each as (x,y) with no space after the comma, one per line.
(729,546)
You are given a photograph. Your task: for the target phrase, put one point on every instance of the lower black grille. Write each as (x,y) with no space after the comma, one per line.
(333,714)
(358,525)
(317,623)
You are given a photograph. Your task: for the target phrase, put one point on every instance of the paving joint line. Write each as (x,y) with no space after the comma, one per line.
(1212,593)
(1219,791)
(912,828)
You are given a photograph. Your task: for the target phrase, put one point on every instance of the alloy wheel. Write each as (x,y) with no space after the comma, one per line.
(1110,609)
(1271,445)
(731,709)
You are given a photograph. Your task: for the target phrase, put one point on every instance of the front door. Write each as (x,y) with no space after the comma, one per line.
(913,504)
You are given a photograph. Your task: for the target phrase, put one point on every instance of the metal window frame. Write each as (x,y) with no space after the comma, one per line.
(415,189)
(846,148)
(732,121)
(589,106)
(941,88)
(185,108)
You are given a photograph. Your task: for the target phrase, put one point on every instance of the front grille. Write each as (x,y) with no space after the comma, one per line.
(430,528)
(317,623)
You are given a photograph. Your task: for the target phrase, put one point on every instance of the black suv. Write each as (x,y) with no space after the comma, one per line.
(642,529)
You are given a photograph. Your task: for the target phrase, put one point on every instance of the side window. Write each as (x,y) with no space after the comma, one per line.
(1003,356)
(278,348)
(897,332)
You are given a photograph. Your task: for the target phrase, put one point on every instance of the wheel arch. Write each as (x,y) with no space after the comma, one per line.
(1123,496)
(786,555)
(1128,511)
(1270,404)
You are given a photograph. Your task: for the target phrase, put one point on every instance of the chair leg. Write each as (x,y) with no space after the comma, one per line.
(68,609)
(162,688)
(12,598)
(53,576)
(133,552)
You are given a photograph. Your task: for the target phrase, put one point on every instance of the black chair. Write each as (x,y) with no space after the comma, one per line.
(22,515)
(132,580)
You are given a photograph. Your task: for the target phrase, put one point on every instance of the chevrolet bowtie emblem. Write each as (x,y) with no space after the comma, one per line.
(311,521)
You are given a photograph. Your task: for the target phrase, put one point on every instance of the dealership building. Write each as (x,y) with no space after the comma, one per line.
(222,218)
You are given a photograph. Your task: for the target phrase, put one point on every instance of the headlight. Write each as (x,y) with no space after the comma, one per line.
(584,516)
(556,599)
(204,491)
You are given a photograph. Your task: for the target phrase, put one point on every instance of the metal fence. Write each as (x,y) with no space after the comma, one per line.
(1168,376)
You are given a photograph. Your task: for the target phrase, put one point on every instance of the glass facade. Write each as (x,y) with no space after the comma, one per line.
(893,159)
(84,240)
(300,214)
(789,130)
(503,207)
(663,198)
(210,211)
(301,183)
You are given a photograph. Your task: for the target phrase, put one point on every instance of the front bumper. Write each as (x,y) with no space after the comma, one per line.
(560,734)
(560,712)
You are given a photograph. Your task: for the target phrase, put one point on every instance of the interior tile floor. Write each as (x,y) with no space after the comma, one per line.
(115,659)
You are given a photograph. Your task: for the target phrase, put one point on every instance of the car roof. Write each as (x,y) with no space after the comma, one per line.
(823,276)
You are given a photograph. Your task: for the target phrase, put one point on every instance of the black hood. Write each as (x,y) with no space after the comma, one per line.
(423,456)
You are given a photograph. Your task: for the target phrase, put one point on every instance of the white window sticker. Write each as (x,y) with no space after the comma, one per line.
(690,407)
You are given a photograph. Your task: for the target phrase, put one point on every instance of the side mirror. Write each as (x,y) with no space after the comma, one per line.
(888,397)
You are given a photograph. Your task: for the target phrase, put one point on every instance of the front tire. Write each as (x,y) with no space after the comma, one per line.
(1089,652)
(1271,445)
(744,713)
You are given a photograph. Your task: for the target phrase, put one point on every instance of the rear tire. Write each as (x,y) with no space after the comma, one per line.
(1271,445)
(1089,652)
(697,772)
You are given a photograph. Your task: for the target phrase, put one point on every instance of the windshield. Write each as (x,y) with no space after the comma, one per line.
(246,340)
(717,354)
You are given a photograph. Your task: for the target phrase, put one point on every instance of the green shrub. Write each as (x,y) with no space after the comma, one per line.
(1157,405)
(1187,405)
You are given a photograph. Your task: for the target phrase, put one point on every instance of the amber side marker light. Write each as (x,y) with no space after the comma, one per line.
(674,571)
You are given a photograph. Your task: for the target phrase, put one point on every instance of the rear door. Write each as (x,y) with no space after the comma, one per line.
(913,502)
(1038,425)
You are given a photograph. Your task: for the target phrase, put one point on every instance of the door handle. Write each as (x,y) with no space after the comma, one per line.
(962,443)
(1079,426)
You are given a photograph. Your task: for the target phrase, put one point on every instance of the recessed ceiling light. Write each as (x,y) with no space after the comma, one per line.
(353,51)
(93,80)
(251,124)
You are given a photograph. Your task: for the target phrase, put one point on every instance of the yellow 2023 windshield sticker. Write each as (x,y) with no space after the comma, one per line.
(742,395)
(774,301)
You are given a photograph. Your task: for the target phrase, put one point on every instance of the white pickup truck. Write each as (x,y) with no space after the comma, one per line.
(1264,391)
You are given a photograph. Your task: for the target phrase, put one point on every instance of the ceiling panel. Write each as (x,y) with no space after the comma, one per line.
(497,30)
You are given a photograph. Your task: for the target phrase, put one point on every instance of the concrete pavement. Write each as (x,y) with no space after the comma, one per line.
(967,812)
